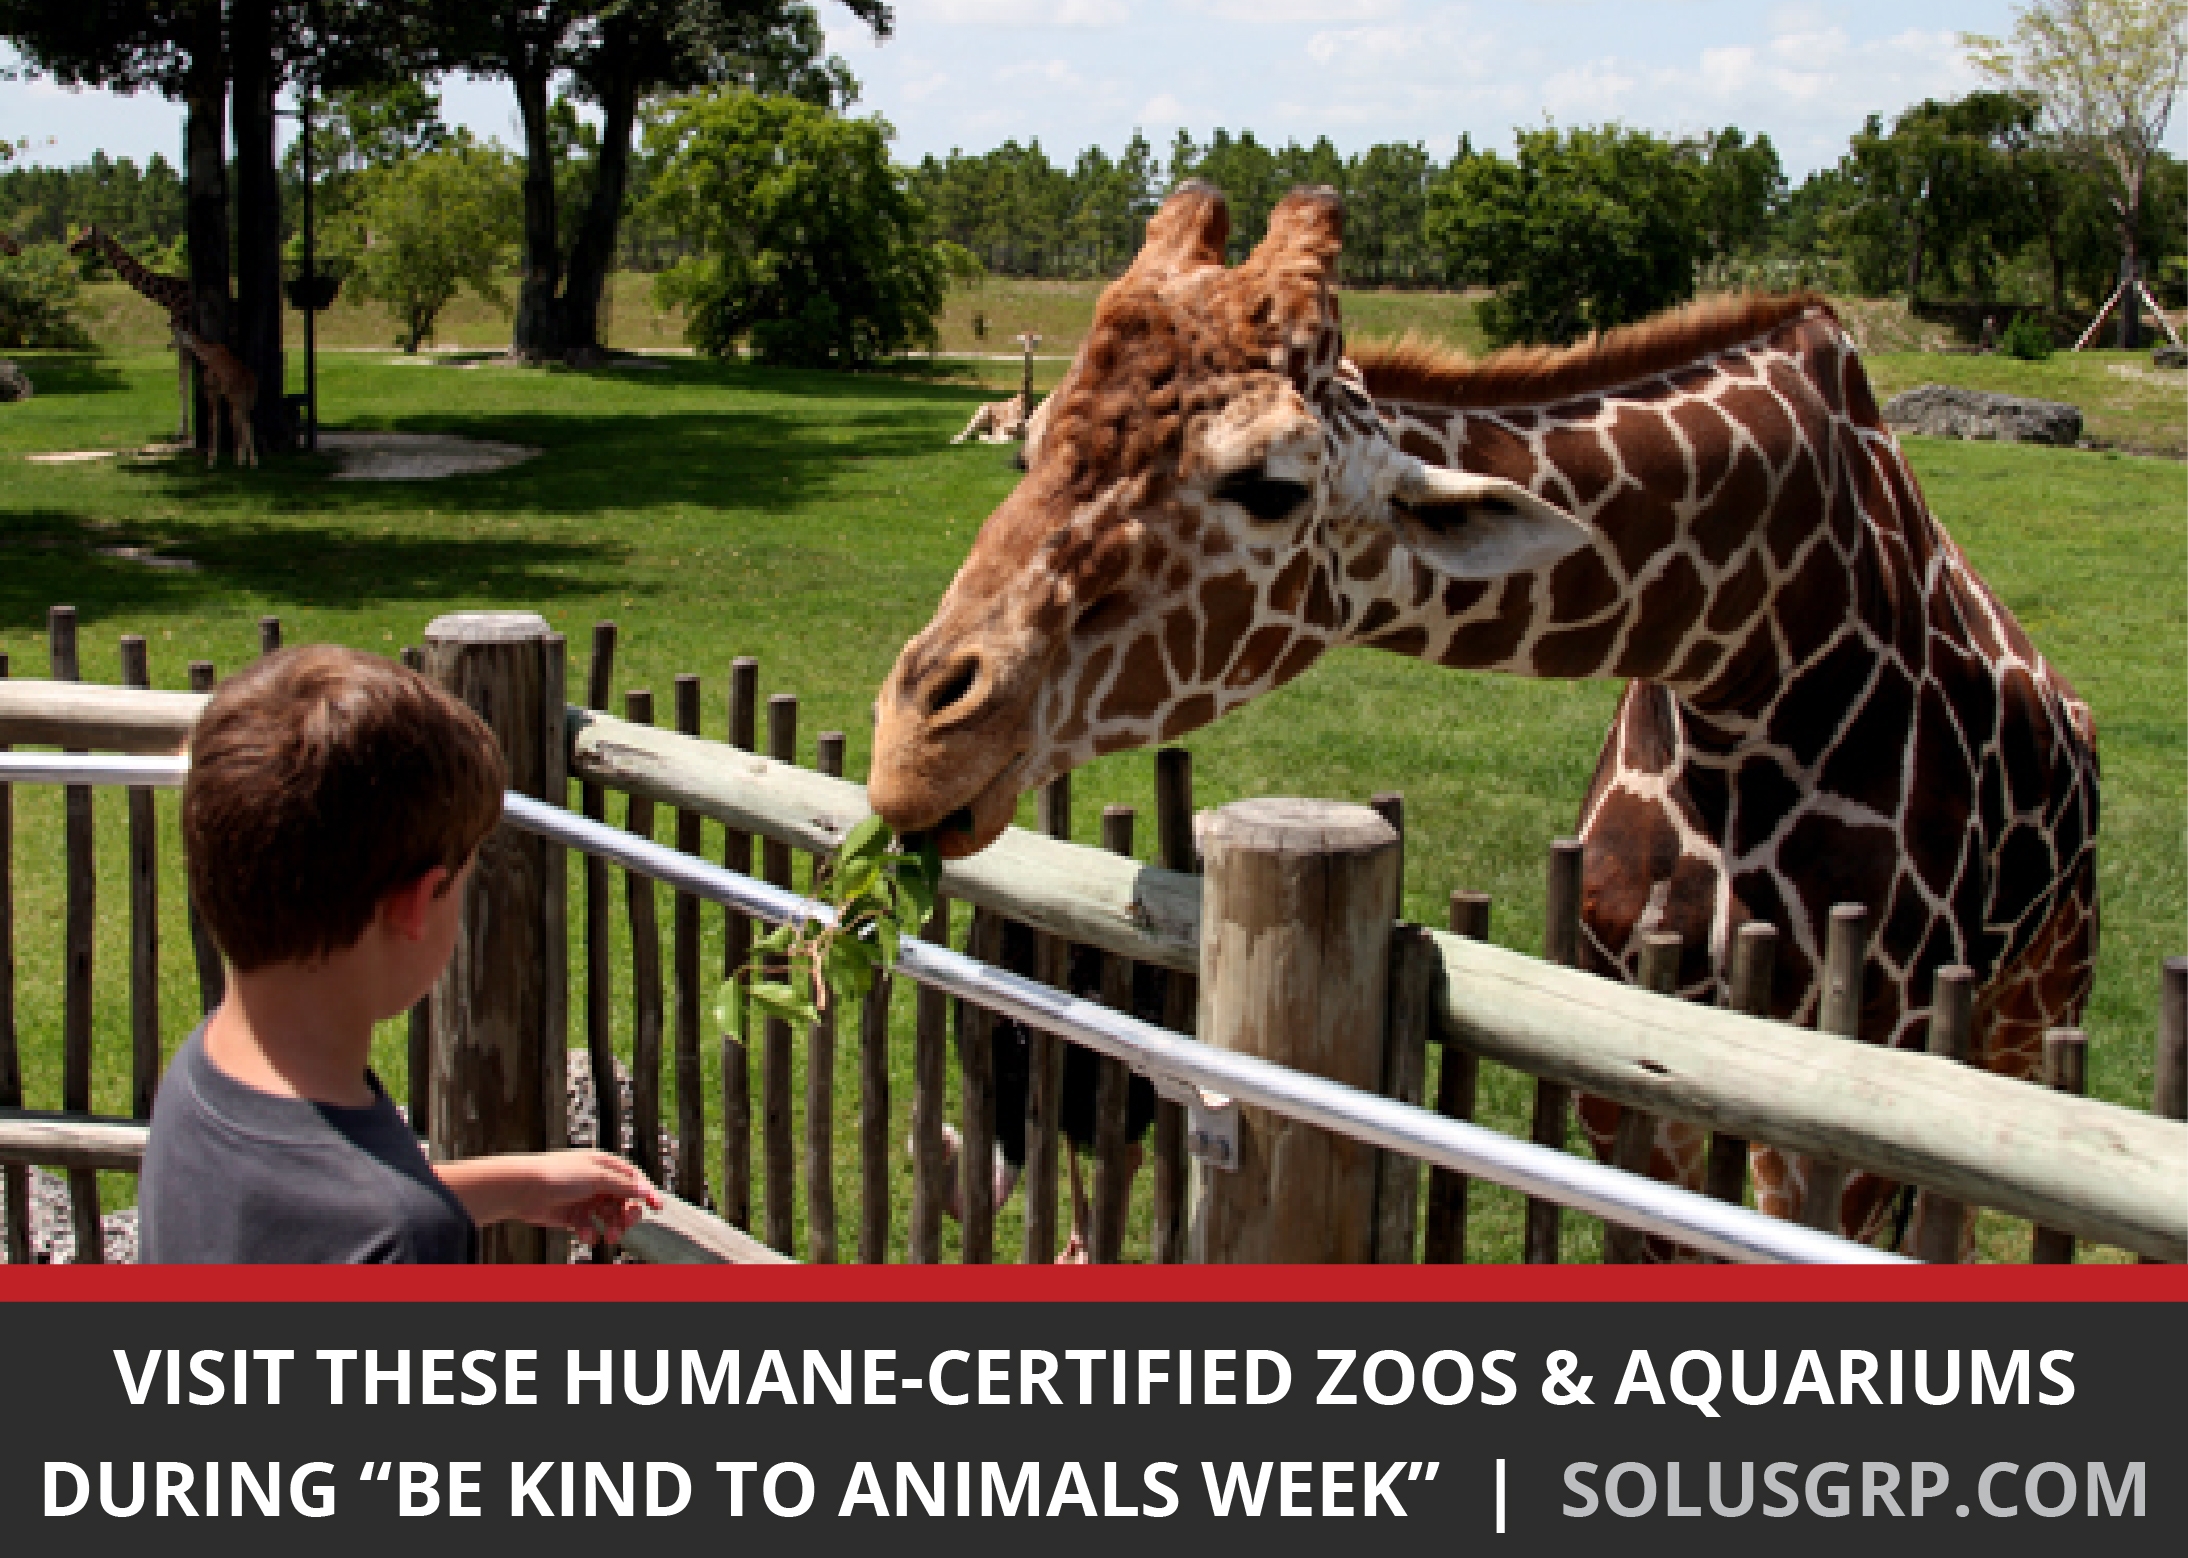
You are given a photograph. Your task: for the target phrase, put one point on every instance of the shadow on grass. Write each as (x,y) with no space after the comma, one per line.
(181,564)
(69,373)
(768,460)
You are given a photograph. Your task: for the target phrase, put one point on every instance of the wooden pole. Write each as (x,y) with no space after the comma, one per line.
(212,975)
(1634,1144)
(873,1122)
(777,1149)
(736,1133)
(646,999)
(2066,1070)
(1045,1063)
(554,1071)
(80,927)
(1112,1144)
(599,928)
(418,1080)
(1561,945)
(1405,1058)
(2169,1070)
(144,917)
(930,1070)
(490,1005)
(16,1176)
(1754,962)
(1845,953)
(691,1103)
(820,1085)
(744,706)
(1458,1080)
(976,1101)
(1295,954)
(1938,1228)
(269,635)
(1174,851)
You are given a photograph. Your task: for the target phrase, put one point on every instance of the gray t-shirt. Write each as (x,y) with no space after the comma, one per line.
(236,1176)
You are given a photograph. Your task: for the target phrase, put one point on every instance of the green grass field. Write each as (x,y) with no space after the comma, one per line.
(812,520)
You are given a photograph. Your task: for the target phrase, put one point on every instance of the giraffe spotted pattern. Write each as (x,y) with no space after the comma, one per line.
(1825,703)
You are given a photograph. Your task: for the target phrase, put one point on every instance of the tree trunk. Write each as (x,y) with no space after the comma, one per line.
(258,215)
(533,335)
(592,255)
(2130,295)
(1914,265)
(207,192)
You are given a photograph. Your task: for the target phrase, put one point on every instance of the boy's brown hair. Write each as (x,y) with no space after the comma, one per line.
(321,779)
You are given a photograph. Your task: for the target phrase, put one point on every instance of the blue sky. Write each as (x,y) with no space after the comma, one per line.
(973,73)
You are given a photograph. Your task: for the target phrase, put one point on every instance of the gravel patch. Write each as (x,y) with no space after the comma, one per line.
(418,456)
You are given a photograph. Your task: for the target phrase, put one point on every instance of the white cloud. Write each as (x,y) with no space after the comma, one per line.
(1018,13)
(1289,13)
(1598,89)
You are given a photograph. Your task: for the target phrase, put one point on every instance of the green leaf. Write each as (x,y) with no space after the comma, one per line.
(729,1009)
(869,841)
(890,940)
(849,968)
(857,880)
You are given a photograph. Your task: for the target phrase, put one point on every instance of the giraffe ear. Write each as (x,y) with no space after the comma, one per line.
(1306,232)
(1189,230)
(1478,527)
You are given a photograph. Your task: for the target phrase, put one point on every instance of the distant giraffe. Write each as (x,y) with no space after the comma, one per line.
(230,387)
(169,292)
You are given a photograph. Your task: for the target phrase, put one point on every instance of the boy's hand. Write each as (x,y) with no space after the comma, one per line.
(591,1193)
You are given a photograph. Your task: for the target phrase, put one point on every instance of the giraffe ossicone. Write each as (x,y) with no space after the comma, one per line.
(1825,704)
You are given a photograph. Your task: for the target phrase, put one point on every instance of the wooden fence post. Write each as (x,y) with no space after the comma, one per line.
(554,1071)
(1112,1173)
(930,1064)
(1045,1063)
(80,920)
(490,1005)
(1458,1079)
(16,1176)
(778,1150)
(144,917)
(1174,851)
(600,929)
(1635,1142)
(820,1083)
(212,974)
(691,1003)
(2169,1071)
(1553,1101)
(646,1001)
(1754,961)
(2066,1069)
(1295,968)
(1845,964)
(1410,1010)
(1935,1232)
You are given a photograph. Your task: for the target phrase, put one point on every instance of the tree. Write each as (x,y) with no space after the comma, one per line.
(429,224)
(2107,73)
(1582,230)
(1944,198)
(806,240)
(617,54)
(1743,186)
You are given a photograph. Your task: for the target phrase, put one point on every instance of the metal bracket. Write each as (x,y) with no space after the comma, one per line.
(1211,1121)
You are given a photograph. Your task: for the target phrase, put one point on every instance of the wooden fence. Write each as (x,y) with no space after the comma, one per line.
(2076,1168)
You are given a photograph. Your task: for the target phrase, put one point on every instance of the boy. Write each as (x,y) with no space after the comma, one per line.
(333,806)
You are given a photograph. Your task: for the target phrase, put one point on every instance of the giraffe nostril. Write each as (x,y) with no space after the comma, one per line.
(951,689)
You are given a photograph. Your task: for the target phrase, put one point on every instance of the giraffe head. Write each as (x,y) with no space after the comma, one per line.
(1206,493)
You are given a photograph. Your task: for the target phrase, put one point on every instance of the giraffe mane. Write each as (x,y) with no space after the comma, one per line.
(1416,369)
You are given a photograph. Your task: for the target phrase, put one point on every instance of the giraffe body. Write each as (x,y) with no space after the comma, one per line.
(1825,703)
(996,422)
(169,292)
(233,390)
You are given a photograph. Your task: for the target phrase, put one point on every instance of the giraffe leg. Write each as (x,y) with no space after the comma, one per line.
(247,437)
(212,446)
(182,392)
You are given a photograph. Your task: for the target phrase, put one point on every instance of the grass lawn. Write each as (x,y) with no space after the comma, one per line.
(812,520)
(2126,405)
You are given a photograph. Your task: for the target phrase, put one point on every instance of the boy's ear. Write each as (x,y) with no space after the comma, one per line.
(405,908)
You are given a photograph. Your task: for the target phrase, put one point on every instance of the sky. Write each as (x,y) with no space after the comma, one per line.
(971,74)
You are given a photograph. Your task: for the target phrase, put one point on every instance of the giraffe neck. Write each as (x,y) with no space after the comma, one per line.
(169,292)
(1743,510)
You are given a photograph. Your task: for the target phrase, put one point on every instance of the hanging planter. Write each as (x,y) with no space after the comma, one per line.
(313,294)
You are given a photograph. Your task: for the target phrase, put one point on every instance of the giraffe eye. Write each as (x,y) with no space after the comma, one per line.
(1266,497)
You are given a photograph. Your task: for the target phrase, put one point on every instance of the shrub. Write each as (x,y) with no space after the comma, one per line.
(37,294)
(426,226)
(807,243)
(2026,338)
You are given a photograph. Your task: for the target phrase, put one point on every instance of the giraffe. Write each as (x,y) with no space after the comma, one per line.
(996,422)
(169,292)
(1824,703)
(231,388)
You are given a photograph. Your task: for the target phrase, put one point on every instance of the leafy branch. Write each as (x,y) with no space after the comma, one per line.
(797,972)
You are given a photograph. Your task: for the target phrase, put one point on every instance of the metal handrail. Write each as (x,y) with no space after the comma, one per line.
(1699,1222)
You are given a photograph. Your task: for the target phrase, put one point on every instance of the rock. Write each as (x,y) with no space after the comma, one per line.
(1942,411)
(2170,357)
(14,383)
